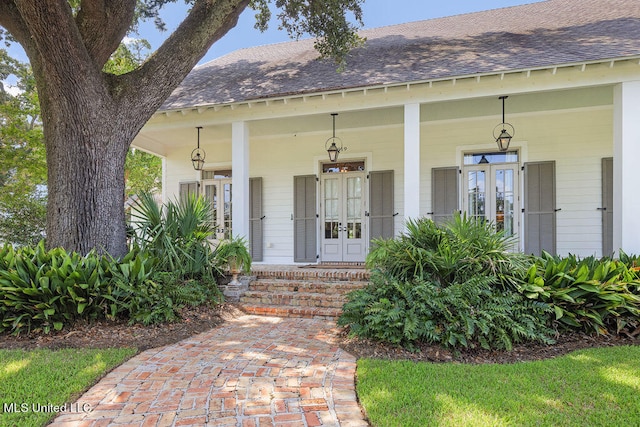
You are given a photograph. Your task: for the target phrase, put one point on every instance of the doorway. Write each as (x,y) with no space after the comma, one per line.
(216,187)
(342,206)
(491,183)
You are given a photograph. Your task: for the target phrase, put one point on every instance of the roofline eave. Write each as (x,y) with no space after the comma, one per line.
(386,86)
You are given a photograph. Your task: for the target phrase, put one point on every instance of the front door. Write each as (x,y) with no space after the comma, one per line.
(491,193)
(218,192)
(343,227)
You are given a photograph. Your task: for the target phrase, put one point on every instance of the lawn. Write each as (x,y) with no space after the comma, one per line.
(595,387)
(34,381)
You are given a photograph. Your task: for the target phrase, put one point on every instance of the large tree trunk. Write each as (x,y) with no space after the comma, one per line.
(90,118)
(86,186)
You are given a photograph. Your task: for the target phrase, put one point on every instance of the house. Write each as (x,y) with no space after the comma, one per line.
(417,112)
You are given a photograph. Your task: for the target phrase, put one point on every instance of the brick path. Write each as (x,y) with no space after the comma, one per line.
(252,371)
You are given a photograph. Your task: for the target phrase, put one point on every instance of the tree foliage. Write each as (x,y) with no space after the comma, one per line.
(23,173)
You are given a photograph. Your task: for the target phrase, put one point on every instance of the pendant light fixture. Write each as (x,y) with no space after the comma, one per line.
(504,137)
(334,143)
(198,155)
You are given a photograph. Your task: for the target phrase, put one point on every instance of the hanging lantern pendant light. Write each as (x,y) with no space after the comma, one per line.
(504,137)
(198,155)
(334,143)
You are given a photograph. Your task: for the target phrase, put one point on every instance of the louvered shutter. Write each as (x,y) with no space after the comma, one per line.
(607,206)
(444,193)
(255,219)
(381,205)
(304,219)
(540,207)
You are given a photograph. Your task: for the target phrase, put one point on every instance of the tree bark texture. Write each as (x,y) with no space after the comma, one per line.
(89,117)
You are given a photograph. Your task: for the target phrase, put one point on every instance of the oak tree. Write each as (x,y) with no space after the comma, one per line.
(90,116)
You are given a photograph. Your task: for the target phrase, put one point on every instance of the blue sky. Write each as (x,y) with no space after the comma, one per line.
(377,13)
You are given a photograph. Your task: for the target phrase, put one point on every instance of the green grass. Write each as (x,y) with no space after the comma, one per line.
(595,387)
(45,377)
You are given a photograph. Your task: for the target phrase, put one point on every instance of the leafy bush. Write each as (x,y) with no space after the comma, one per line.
(45,290)
(601,296)
(455,285)
(460,315)
(451,253)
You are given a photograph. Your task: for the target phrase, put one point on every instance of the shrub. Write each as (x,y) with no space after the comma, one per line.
(179,237)
(455,284)
(460,315)
(591,295)
(451,253)
(46,289)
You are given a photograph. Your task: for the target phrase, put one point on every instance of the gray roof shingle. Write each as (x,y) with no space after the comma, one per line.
(548,33)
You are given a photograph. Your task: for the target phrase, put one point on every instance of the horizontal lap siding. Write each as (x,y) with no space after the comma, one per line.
(576,140)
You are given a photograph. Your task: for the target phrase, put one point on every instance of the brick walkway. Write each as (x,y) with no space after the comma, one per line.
(251,371)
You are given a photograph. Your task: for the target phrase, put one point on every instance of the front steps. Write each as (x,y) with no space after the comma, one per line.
(291,291)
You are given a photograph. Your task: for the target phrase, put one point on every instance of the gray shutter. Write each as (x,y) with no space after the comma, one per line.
(444,193)
(381,205)
(255,219)
(607,206)
(540,207)
(187,189)
(304,219)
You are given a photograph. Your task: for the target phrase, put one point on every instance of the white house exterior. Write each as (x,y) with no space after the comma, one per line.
(417,107)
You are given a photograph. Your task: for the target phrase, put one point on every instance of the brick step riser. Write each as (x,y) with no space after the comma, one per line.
(313,277)
(306,312)
(292,301)
(313,287)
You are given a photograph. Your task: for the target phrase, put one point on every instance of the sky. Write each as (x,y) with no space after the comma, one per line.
(376,13)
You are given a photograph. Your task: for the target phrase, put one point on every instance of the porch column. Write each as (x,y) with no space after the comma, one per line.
(626,173)
(411,161)
(240,179)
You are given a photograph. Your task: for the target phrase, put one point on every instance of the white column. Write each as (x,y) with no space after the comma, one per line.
(626,169)
(411,161)
(240,180)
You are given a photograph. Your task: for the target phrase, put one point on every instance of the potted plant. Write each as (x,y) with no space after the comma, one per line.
(234,255)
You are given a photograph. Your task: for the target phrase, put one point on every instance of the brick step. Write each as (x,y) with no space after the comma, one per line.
(317,287)
(294,299)
(291,291)
(310,274)
(287,311)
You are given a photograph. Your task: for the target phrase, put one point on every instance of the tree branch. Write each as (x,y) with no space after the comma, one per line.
(102,25)
(11,20)
(152,83)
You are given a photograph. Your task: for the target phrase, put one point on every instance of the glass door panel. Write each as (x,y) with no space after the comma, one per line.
(331,216)
(476,194)
(228,210)
(354,207)
(491,193)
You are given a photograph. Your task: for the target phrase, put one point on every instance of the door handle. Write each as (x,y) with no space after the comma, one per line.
(602,209)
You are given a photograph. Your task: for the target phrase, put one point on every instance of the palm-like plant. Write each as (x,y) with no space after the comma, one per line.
(179,237)
(451,253)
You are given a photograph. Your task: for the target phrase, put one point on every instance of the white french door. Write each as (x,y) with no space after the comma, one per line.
(491,193)
(343,226)
(218,192)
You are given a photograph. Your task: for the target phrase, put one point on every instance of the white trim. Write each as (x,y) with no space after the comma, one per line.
(412,161)
(626,173)
(240,178)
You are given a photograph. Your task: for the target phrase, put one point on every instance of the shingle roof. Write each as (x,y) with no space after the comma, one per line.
(548,33)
